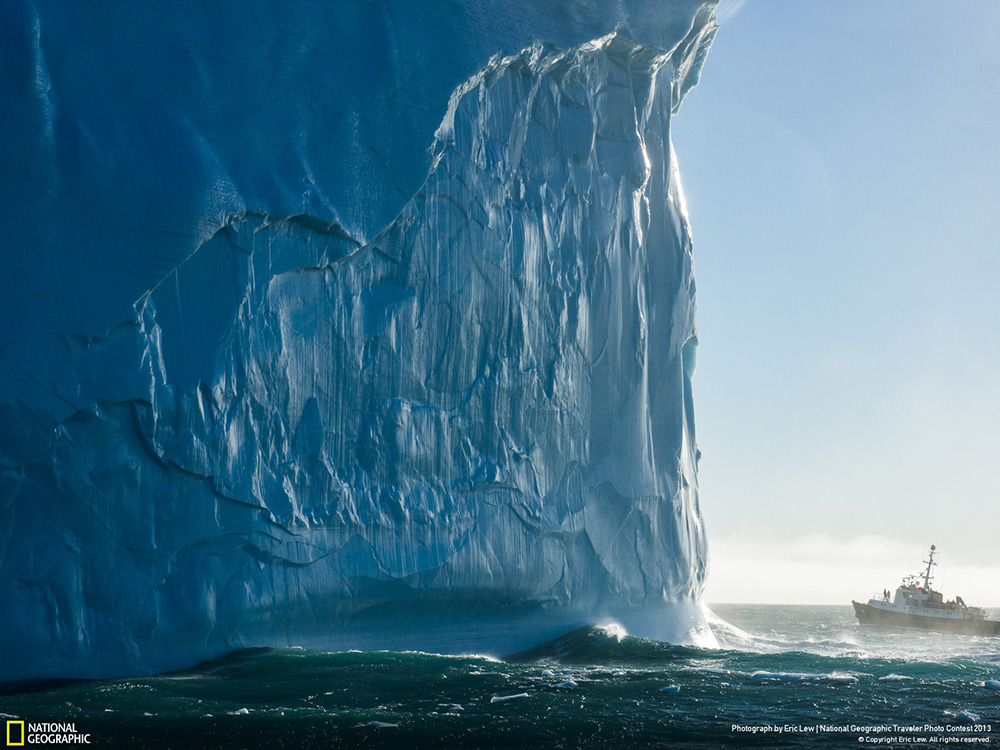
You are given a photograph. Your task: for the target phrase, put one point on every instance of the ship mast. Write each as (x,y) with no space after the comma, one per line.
(930,564)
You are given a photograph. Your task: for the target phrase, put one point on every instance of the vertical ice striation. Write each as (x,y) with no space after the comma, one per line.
(344,407)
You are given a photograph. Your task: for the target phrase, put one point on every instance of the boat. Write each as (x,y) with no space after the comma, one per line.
(917,605)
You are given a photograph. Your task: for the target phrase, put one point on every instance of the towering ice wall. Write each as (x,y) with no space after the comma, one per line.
(342,324)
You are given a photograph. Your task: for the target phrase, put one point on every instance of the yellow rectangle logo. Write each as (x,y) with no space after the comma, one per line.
(15,738)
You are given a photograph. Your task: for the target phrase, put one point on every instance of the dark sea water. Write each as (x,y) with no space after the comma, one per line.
(785,676)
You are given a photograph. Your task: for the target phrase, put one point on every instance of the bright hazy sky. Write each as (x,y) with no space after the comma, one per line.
(842,170)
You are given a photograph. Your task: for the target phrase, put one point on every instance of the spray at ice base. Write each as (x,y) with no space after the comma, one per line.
(469,430)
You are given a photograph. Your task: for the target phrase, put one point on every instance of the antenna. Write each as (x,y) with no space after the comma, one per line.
(930,564)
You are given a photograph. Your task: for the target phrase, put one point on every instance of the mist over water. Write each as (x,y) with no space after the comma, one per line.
(832,630)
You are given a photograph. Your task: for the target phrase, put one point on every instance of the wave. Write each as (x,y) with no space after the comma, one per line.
(593,687)
(838,658)
(602,645)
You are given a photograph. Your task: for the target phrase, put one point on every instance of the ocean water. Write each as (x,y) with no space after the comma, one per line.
(785,676)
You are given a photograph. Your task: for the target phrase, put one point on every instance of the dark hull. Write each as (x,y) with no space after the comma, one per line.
(870,616)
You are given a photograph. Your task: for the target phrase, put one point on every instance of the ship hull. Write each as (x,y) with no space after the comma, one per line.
(868,615)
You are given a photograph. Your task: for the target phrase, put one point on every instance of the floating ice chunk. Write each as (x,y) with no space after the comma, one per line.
(502,698)
(784,676)
(567,684)
(708,670)
(804,676)
(670,689)
(992,684)
(240,712)
(382,724)
(840,677)
(965,716)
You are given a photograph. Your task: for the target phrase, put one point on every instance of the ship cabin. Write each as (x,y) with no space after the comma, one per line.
(910,592)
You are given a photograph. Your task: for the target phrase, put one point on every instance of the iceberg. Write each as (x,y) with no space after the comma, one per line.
(352,325)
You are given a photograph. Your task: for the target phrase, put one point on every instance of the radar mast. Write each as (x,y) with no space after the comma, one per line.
(930,564)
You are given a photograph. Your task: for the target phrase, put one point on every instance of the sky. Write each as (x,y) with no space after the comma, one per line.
(841,165)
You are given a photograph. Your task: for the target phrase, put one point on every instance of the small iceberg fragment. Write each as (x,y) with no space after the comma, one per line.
(670,689)
(840,677)
(965,716)
(992,684)
(784,676)
(503,698)
(382,724)
(707,670)
(567,684)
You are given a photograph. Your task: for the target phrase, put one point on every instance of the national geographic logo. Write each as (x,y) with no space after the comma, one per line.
(15,733)
(44,733)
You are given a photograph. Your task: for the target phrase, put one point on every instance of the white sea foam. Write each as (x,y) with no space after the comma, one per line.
(732,637)
(612,630)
